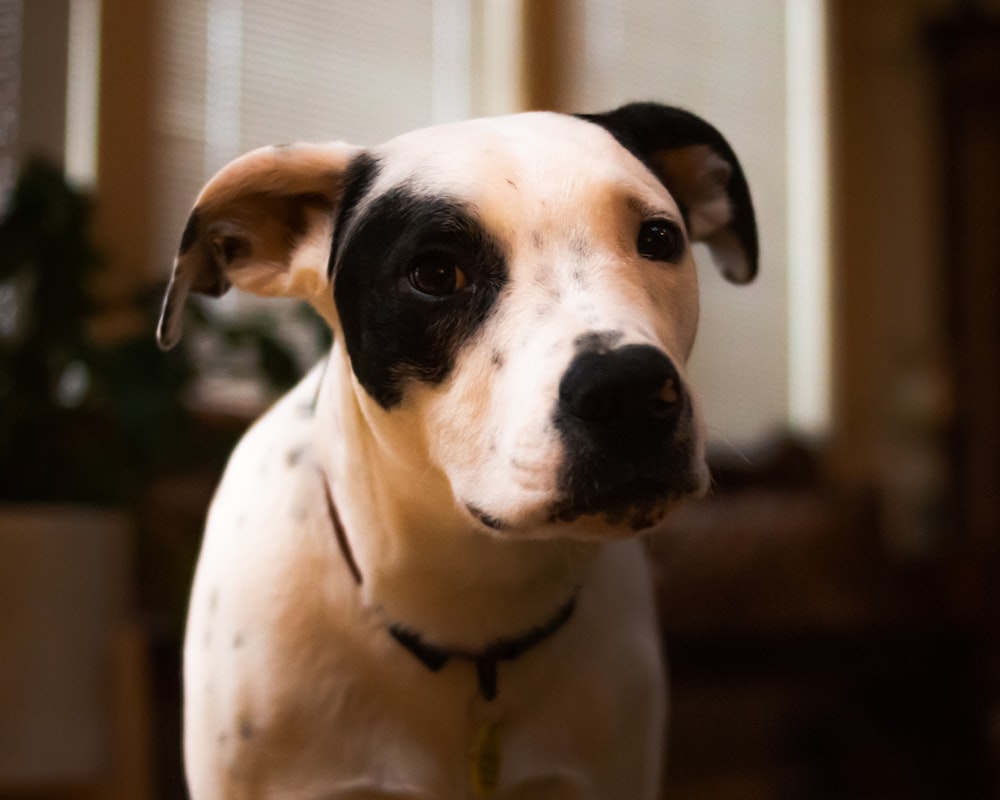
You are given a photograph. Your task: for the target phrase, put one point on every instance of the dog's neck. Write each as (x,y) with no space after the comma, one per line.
(423,565)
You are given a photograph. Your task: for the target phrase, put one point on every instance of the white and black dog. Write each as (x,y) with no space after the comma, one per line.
(418,578)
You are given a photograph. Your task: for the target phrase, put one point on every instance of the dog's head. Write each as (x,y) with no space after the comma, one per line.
(517,296)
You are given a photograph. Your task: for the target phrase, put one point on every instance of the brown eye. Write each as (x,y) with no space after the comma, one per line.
(660,240)
(436,276)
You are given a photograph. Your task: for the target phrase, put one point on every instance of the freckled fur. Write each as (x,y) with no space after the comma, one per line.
(449,495)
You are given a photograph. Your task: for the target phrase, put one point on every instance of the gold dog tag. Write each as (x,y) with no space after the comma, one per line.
(487,759)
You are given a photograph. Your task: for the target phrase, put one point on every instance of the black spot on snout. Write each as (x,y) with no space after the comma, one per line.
(294,456)
(393,332)
(597,341)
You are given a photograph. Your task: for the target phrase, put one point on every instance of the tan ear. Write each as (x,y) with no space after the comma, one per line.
(264,224)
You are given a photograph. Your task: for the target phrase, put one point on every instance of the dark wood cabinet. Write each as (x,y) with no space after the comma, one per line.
(968,59)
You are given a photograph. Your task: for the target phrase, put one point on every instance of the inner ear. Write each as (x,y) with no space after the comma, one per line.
(698,178)
(267,243)
(700,170)
(227,249)
(264,224)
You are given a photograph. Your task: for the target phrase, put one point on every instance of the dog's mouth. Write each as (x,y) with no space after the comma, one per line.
(487,520)
(615,512)
(629,450)
(599,491)
(634,516)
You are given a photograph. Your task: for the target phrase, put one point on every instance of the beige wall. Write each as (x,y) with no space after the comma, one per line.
(124,140)
(124,152)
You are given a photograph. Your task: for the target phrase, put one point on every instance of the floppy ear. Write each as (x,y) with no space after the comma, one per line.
(699,168)
(264,224)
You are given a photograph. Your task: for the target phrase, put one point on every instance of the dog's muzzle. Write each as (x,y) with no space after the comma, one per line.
(625,422)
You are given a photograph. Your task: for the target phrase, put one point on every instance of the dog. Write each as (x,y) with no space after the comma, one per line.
(420,576)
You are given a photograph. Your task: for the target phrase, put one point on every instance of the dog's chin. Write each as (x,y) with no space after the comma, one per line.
(619,520)
(562,519)
(624,510)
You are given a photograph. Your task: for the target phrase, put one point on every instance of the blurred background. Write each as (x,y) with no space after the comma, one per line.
(831,613)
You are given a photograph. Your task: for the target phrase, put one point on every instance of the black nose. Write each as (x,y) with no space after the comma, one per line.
(623,417)
(635,386)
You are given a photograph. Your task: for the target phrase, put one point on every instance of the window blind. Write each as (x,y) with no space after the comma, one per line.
(239,74)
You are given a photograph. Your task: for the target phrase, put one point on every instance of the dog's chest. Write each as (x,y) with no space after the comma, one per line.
(300,683)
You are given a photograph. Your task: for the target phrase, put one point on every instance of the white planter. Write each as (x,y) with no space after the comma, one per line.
(63,589)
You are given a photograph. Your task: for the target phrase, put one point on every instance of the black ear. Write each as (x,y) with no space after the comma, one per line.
(698,167)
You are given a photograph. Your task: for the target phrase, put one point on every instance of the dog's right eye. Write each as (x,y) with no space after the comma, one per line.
(660,240)
(435,274)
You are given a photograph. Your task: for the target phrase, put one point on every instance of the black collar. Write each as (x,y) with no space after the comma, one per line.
(486,660)
(434,657)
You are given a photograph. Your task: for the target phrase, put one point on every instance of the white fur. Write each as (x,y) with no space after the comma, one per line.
(293,687)
(295,690)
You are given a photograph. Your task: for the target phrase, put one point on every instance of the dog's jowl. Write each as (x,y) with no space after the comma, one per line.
(419,576)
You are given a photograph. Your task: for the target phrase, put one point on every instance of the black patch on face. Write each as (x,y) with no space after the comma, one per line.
(392,331)
(358,179)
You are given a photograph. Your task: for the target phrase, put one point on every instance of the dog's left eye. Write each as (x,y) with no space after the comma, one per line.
(660,240)
(436,275)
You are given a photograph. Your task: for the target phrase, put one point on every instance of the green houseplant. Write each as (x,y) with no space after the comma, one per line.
(78,422)
(93,437)
(108,425)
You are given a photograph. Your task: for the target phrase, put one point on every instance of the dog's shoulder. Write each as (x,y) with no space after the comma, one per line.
(281,437)
(273,474)
(269,516)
